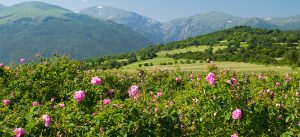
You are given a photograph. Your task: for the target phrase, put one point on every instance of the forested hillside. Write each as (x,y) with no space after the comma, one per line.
(240,44)
(35,27)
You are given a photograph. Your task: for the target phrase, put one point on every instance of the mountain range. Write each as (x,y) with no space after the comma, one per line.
(32,27)
(183,28)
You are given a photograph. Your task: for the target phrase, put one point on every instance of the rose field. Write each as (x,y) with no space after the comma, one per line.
(59,97)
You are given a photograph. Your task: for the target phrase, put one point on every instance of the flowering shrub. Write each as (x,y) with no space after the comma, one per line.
(145,104)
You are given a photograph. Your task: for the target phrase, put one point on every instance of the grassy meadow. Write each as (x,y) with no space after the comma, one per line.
(201,66)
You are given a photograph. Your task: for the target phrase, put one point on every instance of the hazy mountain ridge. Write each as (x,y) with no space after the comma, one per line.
(286,23)
(183,28)
(147,27)
(208,22)
(61,31)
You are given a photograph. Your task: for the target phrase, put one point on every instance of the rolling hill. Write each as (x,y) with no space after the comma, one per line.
(35,27)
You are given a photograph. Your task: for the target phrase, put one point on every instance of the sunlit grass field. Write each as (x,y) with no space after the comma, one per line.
(202,67)
(192,49)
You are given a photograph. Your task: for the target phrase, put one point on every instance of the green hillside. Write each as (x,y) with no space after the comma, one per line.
(239,44)
(36,10)
(49,29)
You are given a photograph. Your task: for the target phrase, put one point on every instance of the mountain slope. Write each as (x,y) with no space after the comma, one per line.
(57,30)
(145,26)
(286,23)
(205,23)
(183,28)
(36,10)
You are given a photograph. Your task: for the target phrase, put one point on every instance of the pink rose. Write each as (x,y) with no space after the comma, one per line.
(234,135)
(79,96)
(159,94)
(19,132)
(47,120)
(260,77)
(232,82)
(237,114)
(62,105)
(178,79)
(96,81)
(191,76)
(34,103)
(1,65)
(211,79)
(22,60)
(134,92)
(298,123)
(106,101)
(6,102)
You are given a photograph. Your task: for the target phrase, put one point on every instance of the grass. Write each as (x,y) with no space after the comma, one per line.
(202,67)
(192,48)
(244,44)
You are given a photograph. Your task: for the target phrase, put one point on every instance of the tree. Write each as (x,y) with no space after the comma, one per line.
(291,57)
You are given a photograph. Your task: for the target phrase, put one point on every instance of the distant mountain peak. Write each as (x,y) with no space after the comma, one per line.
(147,27)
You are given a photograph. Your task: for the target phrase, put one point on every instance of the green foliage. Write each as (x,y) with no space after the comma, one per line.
(190,107)
(263,46)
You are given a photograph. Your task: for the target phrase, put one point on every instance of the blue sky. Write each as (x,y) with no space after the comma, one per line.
(164,10)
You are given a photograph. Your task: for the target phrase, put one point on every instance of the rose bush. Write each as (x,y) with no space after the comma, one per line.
(145,103)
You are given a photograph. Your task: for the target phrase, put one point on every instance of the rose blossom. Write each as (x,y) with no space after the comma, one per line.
(47,120)
(19,132)
(159,94)
(96,81)
(34,103)
(237,114)
(134,92)
(178,79)
(62,105)
(106,101)
(6,102)
(211,79)
(22,60)
(234,135)
(79,96)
